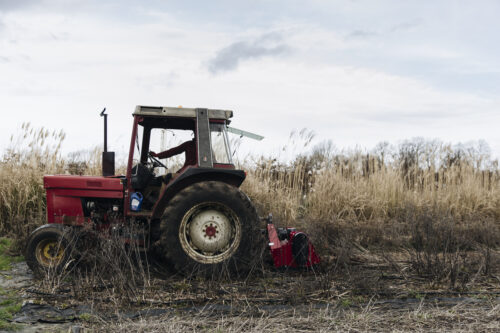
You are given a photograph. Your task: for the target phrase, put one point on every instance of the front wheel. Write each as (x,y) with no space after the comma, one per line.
(48,250)
(210,228)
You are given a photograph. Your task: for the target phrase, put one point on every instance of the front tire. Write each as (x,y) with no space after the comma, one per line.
(48,250)
(210,228)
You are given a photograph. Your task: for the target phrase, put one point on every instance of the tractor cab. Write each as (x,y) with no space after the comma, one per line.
(198,134)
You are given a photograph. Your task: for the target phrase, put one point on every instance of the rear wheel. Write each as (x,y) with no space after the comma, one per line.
(48,250)
(210,228)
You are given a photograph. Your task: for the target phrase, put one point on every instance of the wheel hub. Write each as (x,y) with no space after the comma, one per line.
(210,231)
(49,253)
(52,252)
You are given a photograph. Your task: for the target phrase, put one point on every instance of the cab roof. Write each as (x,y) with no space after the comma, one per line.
(180,112)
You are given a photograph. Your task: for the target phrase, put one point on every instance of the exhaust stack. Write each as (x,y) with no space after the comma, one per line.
(108,158)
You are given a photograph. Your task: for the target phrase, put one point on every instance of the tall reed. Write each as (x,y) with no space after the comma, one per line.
(309,185)
(35,152)
(32,154)
(355,185)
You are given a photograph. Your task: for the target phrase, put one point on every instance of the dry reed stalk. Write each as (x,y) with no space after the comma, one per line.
(380,189)
(350,187)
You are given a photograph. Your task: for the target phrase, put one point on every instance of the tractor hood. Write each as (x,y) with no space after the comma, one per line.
(65,195)
(83,183)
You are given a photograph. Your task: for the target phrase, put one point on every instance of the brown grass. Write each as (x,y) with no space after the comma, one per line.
(328,185)
(432,200)
(435,201)
(32,154)
(368,318)
(36,152)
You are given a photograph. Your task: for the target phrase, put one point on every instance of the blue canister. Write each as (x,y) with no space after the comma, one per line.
(136,201)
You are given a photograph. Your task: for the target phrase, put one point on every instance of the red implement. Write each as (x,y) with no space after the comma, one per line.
(291,248)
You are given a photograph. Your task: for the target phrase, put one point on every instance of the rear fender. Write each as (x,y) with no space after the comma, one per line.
(192,176)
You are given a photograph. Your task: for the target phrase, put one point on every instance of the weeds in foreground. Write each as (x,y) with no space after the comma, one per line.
(113,266)
(444,250)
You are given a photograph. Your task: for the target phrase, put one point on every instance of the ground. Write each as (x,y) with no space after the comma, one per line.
(371,294)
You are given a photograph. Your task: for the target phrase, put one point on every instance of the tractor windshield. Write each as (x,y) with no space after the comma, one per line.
(220,144)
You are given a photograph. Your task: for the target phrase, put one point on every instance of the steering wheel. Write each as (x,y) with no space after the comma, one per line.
(156,162)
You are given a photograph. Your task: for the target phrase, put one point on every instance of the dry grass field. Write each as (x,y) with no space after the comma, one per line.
(405,222)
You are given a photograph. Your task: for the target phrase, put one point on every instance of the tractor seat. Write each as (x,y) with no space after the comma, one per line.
(160,180)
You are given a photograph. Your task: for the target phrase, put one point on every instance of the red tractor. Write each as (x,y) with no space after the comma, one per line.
(197,219)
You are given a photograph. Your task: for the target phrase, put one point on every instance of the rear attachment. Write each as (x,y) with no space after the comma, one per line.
(289,247)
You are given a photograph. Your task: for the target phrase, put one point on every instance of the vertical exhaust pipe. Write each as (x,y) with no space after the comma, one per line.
(103,114)
(108,158)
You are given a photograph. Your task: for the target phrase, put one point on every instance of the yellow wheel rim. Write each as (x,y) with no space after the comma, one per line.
(49,253)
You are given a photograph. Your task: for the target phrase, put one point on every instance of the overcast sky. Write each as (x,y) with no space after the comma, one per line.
(356,72)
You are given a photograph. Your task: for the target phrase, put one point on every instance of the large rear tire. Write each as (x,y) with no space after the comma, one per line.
(210,228)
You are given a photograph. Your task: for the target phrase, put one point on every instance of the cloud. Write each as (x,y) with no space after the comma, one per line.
(408,25)
(229,58)
(4,59)
(361,34)
(8,5)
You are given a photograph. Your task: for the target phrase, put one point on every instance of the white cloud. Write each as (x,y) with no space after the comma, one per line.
(229,57)
(58,70)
